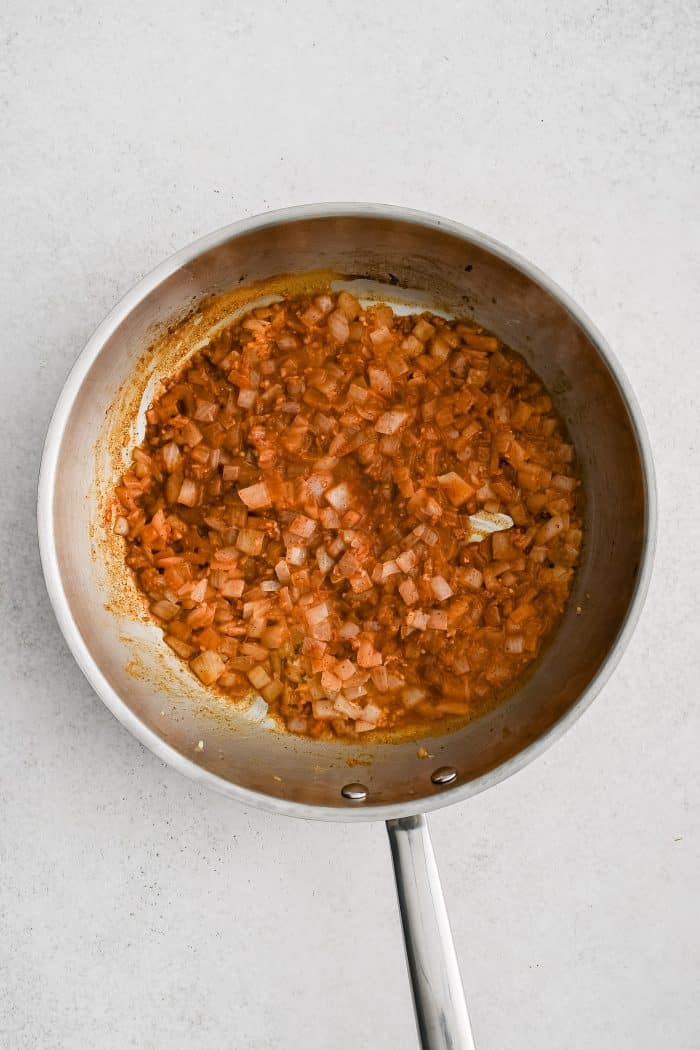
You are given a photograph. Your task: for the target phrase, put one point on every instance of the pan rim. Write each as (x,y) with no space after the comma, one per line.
(347,812)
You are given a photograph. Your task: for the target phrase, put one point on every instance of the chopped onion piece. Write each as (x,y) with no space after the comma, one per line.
(258,677)
(360,582)
(381,336)
(564,483)
(199,591)
(324,560)
(330,682)
(354,692)
(345,669)
(412,695)
(273,690)
(366,654)
(389,568)
(171,456)
(273,636)
(338,326)
(188,493)
(165,610)
(317,613)
(250,541)
(380,380)
(347,707)
(408,591)
(324,709)
(455,488)
(427,535)
(177,645)
(372,713)
(441,588)
(380,677)
(191,434)
(390,422)
(339,496)
(296,555)
(417,619)
(208,666)
(303,527)
(437,620)
(407,561)
(254,651)
(256,496)
(549,530)
(472,578)
(232,588)
(282,571)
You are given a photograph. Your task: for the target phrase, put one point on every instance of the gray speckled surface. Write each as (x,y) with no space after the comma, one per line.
(138,911)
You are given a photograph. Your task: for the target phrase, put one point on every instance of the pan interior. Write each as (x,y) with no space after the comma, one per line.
(413,265)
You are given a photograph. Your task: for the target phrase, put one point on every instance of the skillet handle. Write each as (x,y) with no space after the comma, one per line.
(438,995)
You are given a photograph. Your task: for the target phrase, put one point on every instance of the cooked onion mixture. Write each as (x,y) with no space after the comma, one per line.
(301,515)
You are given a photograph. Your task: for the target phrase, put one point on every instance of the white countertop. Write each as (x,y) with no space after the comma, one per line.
(138,911)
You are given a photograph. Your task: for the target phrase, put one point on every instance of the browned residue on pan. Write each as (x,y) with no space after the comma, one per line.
(360,760)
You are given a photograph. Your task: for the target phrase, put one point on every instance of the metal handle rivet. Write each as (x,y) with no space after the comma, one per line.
(444,775)
(355,792)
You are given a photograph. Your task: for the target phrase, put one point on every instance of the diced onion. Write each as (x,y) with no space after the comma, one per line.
(188,493)
(250,541)
(324,709)
(330,682)
(258,676)
(438,620)
(407,561)
(441,588)
(199,591)
(455,488)
(295,532)
(472,578)
(256,496)
(303,527)
(408,591)
(346,707)
(317,613)
(338,326)
(208,666)
(390,422)
(339,496)
(412,696)
(171,456)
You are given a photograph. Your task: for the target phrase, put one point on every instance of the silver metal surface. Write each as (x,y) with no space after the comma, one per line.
(354,792)
(444,775)
(464,273)
(436,263)
(438,996)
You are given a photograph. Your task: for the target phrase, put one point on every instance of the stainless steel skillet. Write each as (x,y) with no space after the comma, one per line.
(410,257)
